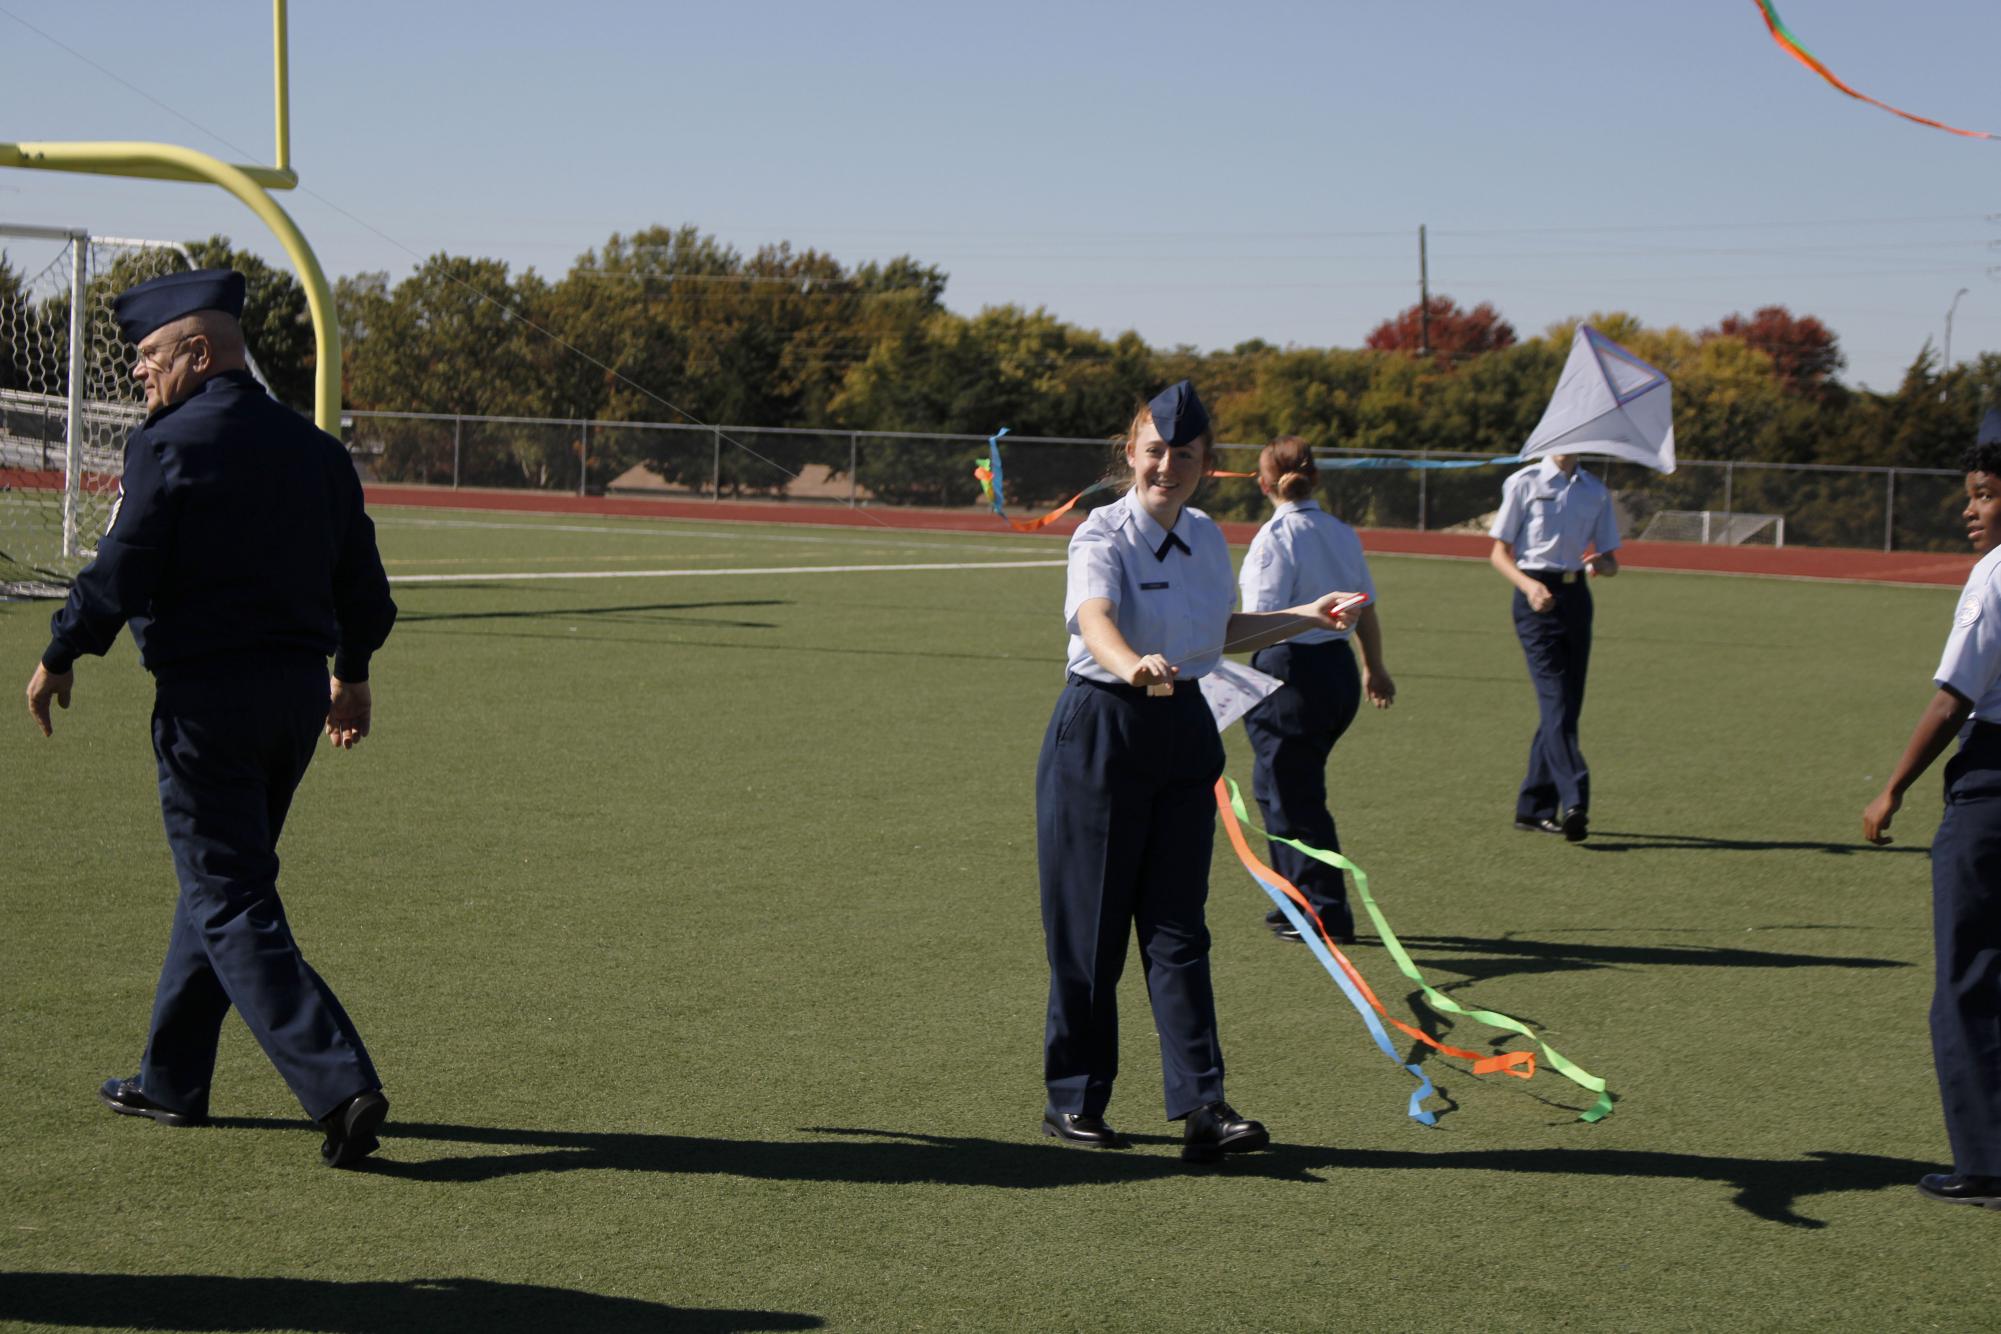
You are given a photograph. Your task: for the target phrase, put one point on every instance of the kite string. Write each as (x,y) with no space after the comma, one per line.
(992,482)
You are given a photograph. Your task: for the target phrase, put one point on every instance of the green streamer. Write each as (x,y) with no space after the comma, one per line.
(1438,1000)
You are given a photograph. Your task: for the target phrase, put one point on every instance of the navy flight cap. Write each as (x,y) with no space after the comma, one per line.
(1178,414)
(1990,428)
(162,300)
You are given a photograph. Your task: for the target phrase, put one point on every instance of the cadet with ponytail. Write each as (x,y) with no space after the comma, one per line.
(1294,730)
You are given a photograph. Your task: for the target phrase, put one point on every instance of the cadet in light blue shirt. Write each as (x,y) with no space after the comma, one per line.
(1124,805)
(1293,731)
(1555,528)
(1966,850)
(1178,601)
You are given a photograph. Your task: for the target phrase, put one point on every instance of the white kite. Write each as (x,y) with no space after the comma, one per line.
(1607,402)
(1233,690)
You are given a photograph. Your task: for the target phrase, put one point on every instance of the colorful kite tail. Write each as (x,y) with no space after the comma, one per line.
(1438,1001)
(1792,46)
(1520,1064)
(993,486)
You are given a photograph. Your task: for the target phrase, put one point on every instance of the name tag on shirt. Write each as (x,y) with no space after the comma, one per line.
(1147,588)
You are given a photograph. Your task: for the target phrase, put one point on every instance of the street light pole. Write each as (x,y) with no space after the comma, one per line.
(1948,330)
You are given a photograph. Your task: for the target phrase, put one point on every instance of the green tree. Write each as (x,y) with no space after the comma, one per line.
(1026,370)
(454,337)
(696,333)
(17,316)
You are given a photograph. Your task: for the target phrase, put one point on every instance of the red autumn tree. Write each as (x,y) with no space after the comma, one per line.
(1804,352)
(1454,334)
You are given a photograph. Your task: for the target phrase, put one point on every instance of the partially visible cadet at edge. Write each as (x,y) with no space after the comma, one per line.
(1966,850)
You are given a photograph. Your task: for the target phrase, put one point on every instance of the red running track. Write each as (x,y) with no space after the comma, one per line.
(1896,567)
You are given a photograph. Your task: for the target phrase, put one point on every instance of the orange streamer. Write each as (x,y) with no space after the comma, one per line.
(985,474)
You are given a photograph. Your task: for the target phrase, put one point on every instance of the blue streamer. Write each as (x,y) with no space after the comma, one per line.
(1338,464)
(994,467)
(1311,936)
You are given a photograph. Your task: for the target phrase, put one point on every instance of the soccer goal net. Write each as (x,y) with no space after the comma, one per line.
(67,396)
(1716,528)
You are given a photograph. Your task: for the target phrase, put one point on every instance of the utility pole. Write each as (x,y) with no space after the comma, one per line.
(1423,295)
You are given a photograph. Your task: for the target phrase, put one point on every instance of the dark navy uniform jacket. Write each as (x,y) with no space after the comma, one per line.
(240,534)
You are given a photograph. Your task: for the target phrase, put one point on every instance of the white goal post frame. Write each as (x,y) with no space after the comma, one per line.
(76,375)
(1716,527)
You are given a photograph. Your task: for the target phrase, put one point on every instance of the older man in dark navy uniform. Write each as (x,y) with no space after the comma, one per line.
(241,556)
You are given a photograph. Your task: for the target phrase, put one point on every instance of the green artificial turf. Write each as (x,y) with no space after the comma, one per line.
(693,925)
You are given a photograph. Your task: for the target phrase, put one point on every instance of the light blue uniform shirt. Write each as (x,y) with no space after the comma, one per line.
(1971,664)
(1178,606)
(1550,519)
(1303,553)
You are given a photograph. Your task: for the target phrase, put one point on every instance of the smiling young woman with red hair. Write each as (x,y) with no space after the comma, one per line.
(1124,816)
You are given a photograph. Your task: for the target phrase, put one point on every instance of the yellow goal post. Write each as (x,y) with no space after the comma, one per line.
(249,183)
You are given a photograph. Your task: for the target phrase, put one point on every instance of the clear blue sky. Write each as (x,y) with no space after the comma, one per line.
(1203,174)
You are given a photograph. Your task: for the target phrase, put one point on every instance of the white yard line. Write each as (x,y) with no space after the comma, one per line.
(747,569)
(861,538)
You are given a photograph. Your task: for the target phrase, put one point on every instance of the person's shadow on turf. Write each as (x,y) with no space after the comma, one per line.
(1767,1188)
(630,612)
(1479,959)
(1482,958)
(1618,840)
(220,1302)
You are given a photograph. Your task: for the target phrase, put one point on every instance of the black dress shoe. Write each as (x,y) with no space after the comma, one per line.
(1575,825)
(1956,1189)
(1541,824)
(351,1127)
(124,1097)
(1216,1130)
(1087,1130)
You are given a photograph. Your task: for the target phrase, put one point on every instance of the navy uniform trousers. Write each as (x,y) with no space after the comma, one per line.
(1966,931)
(1557,644)
(1292,732)
(231,749)
(1125,821)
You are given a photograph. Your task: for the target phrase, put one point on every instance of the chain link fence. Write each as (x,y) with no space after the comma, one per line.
(1822,505)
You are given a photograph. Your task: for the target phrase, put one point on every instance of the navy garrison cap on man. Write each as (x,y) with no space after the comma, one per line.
(1178,414)
(1990,428)
(162,300)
